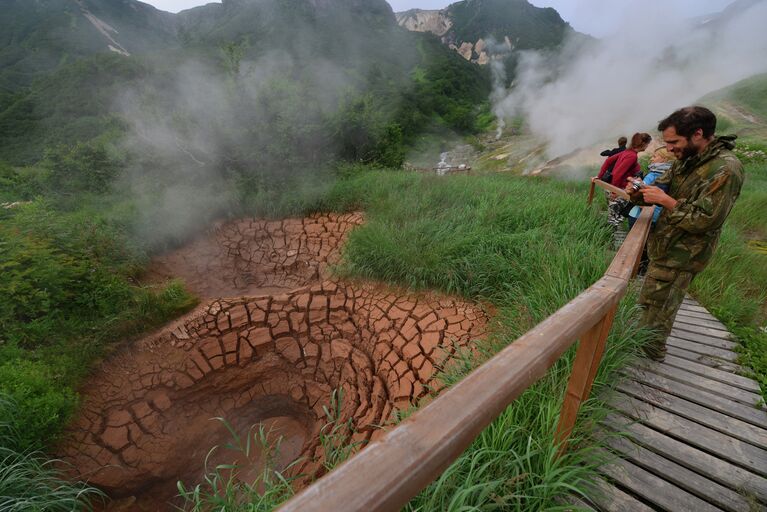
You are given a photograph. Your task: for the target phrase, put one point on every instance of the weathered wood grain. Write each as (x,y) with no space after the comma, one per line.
(609,498)
(730,378)
(697,413)
(654,489)
(712,467)
(725,390)
(703,339)
(721,445)
(736,410)
(699,348)
(680,476)
(703,359)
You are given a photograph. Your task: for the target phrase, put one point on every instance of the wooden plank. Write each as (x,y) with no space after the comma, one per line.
(721,445)
(743,412)
(700,348)
(703,339)
(575,504)
(708,331)
(680,476)
(711,467)
(697,413)
(712,362)
(653,489)
(684,310)
(684,317)
(691,325)
(713,373)
(712,386)
(692,307)
(609,498)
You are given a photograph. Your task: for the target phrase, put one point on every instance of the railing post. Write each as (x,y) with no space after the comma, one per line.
(587,359)
(591,191)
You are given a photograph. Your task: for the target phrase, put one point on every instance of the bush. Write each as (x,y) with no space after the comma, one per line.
(44,407)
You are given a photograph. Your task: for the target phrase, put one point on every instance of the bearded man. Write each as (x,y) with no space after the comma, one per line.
(702,186)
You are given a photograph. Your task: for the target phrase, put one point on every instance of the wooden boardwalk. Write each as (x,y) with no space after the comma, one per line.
(695,429)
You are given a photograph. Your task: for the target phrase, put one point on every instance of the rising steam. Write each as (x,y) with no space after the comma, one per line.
(626,82)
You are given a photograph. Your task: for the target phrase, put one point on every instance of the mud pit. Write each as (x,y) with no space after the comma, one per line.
(272,359)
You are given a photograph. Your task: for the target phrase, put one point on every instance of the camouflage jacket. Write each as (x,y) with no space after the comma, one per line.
(706,187)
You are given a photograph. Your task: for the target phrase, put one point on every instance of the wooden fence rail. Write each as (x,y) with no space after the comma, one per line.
(389,472)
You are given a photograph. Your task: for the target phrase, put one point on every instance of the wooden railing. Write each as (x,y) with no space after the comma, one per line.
(608,187)
(389,472)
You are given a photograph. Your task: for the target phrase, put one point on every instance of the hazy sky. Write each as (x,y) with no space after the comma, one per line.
(593,17)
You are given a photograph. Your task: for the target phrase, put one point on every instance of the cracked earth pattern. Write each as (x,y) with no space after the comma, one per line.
(145,418)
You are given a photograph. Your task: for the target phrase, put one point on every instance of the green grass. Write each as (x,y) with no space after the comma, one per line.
(28,482)
(734,286)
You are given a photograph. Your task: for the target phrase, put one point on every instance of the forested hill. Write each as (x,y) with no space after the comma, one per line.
(67,64)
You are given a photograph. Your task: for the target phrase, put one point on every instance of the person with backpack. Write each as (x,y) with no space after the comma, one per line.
(617,169)
(614,151)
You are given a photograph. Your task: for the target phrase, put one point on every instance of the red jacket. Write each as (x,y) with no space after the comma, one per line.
(626,165)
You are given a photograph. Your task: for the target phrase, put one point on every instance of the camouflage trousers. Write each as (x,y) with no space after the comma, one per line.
(660,298)
(614,211)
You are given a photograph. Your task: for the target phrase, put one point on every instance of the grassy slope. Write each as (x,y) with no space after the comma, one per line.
(734,286)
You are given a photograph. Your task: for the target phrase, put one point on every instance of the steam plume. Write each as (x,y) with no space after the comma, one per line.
(624,83)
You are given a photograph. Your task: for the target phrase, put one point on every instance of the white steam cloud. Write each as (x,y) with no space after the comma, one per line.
(627,82)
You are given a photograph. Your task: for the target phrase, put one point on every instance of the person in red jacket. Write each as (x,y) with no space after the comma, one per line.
(624,165)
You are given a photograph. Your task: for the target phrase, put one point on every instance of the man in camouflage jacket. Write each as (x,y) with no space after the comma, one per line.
(703,185)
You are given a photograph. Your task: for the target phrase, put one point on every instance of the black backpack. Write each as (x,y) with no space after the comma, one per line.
(608,175)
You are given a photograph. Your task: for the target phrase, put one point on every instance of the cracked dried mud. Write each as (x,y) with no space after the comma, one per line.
(274,338)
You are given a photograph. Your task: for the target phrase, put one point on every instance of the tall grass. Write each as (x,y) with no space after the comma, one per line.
(28,482)
(528,247)
(223,488)
(734,286)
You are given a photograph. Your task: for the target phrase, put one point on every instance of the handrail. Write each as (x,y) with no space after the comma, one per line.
(608,187)
(389,472)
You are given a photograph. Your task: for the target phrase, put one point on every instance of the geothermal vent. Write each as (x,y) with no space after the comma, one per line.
(272,352)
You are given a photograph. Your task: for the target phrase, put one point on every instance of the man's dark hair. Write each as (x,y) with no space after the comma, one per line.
(622,141)
(687,120)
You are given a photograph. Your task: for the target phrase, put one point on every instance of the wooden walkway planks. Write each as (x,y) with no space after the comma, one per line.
(689,433)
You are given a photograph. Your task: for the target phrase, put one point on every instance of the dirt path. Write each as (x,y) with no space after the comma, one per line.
(145,419)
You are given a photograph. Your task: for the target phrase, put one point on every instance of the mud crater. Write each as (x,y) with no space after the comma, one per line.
(260,357)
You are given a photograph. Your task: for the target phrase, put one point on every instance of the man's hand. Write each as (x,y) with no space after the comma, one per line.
(654,195)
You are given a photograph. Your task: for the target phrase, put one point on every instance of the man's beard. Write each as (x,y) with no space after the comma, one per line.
(689,151)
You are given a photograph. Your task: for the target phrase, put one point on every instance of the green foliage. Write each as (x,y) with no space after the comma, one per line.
(734,286)
(27,483)
(526,25)
(44,407)
(86,167)
(68,294)
(335,435)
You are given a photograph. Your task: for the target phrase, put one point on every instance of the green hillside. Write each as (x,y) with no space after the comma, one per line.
(527,26)
(742,108)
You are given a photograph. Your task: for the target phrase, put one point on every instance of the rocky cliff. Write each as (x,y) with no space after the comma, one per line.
(468,26)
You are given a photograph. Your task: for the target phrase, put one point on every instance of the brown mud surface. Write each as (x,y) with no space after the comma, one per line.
(274,360)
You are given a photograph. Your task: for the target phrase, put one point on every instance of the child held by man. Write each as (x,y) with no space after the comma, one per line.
(660,162)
